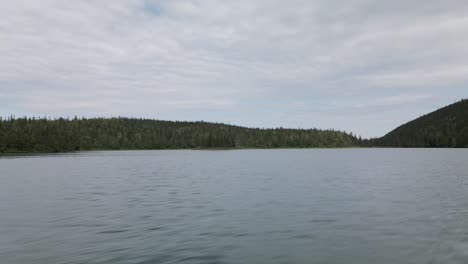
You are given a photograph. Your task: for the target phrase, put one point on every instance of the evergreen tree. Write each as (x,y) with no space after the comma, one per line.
(46,135)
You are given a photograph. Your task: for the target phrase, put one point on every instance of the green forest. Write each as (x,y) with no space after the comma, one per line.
(59,135)
(446,127)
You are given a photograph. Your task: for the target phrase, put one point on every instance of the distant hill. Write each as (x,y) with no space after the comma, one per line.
(59,135)
(446,127)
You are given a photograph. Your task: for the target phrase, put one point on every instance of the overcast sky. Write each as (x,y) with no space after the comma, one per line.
(357,65)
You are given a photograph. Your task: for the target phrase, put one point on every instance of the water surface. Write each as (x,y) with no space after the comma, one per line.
(244,206)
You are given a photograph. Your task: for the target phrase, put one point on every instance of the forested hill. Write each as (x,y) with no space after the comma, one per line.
(446,127)
(45,135)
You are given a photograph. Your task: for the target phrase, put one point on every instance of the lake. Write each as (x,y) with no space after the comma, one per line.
(236,206)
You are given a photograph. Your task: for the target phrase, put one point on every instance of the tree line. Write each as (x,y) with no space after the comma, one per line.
(63,134)
(446,127)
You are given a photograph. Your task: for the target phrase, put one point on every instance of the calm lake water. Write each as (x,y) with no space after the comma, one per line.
(241,206)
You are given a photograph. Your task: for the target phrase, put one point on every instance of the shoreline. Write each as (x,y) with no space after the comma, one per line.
(29,153)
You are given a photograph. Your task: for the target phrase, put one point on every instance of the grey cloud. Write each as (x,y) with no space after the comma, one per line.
(222,60)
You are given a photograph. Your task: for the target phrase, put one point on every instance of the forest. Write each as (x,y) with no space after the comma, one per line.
(446,127)
(60,135)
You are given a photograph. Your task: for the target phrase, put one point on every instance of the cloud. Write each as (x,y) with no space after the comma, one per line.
(254,63)
(426,76)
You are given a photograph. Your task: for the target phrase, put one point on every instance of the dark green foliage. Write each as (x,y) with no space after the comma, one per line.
(446,127)
(45,135)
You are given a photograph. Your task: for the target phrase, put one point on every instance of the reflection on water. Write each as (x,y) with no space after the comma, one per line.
(245,206)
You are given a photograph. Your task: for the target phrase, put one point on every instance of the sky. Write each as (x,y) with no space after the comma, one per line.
(357,65)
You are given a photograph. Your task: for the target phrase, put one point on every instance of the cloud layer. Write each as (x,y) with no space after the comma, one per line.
(359,65)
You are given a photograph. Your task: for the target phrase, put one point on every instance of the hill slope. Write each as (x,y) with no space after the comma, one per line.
(446,127)
(44,135)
